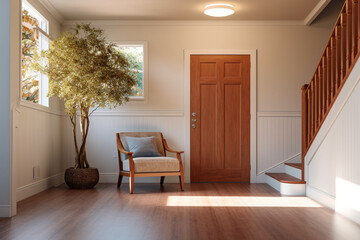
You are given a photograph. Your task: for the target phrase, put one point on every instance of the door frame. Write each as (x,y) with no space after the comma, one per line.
(253,104)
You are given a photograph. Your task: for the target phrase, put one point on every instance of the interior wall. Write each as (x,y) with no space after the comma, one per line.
(332,162)
(287,55)
(5,161)
(37,130)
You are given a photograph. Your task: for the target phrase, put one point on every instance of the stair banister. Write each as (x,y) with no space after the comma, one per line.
(339,57)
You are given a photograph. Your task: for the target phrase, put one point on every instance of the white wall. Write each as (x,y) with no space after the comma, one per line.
(5,161)
(37,130)
(287,56)
(332,162)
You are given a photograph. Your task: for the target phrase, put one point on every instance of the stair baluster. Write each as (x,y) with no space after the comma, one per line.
(339,57)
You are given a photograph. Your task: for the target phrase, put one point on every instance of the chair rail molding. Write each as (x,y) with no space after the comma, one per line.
(253,104)
(138,113)
(279,114)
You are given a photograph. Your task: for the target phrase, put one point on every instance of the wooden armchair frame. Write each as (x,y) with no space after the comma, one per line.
(132,174)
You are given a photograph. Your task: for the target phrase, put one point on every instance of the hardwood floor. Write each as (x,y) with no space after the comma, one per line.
(206,211)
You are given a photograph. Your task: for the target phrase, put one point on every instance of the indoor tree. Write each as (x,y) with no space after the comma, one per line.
(86,72)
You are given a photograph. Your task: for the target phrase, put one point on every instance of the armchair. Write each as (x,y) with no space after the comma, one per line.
(162,166)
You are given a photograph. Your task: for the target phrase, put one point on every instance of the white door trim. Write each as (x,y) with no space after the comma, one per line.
(253,93)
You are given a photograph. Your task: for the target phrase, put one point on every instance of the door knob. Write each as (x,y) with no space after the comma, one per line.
(194,114)
(194,120)
(193,125)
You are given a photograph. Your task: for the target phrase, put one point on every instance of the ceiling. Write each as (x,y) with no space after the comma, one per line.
(248,10)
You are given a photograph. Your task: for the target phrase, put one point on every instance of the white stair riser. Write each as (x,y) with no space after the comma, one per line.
(295,172)
(287,188)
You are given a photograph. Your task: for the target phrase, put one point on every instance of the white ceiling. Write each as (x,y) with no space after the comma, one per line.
(248,10)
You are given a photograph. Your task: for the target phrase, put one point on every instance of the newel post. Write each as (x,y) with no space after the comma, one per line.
(304,126)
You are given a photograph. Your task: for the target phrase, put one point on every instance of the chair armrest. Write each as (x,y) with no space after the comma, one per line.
(169,149)
(120,147)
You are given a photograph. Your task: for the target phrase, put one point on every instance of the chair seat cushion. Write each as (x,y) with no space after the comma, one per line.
(153,164)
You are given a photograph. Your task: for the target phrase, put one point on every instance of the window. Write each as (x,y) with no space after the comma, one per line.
(135,53)
(34,38)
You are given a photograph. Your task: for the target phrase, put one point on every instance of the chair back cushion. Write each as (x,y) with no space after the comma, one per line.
(157,140)
(142,146)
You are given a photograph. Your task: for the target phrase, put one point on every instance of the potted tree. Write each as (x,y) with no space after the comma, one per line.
(86,72)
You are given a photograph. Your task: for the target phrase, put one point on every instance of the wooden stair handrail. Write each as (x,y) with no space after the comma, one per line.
(336,63)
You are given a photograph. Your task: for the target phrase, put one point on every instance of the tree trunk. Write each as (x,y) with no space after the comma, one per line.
(73,122)
(84,125)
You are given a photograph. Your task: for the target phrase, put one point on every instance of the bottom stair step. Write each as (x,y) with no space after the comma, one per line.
(286,184)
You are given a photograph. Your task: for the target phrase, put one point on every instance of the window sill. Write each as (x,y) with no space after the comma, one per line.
(137,98)
(39,107)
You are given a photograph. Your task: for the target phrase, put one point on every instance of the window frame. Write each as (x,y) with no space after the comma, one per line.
(145,67)
(44,31)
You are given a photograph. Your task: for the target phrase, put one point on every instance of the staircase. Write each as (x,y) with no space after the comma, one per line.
(338,59)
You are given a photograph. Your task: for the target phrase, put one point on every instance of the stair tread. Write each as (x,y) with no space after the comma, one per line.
(285,178)
(295,165)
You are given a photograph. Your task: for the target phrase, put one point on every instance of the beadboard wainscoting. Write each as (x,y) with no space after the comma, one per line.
(101,145)
(278,141)
(39,137)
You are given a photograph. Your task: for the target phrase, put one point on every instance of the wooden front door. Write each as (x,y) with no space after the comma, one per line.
(220,118)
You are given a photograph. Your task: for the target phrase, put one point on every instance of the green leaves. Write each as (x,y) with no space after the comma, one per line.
(86,71)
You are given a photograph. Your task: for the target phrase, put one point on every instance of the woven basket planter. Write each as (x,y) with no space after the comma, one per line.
(81,178)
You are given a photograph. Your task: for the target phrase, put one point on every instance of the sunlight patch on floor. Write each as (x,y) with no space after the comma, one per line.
(231,201)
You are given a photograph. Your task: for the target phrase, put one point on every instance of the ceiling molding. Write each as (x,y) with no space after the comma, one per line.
(316,11)
(52,10)
(184,23)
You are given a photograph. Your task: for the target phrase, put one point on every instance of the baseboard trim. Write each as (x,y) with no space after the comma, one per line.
(113,178)
(39,186)
(5,211)
(320,196)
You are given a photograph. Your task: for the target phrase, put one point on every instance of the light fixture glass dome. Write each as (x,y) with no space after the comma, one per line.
(219,9)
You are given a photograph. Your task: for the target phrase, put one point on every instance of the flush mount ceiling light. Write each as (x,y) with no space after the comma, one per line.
(219,9)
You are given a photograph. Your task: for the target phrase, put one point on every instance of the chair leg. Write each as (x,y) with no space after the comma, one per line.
(181,179)
(162,180)
(119,180)
(131,184)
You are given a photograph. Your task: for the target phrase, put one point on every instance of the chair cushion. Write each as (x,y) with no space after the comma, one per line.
(142,146)
(158,141)
(153,164)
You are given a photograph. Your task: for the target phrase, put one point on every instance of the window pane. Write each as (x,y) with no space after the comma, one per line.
(33,84)
(29,45)
(135,55)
